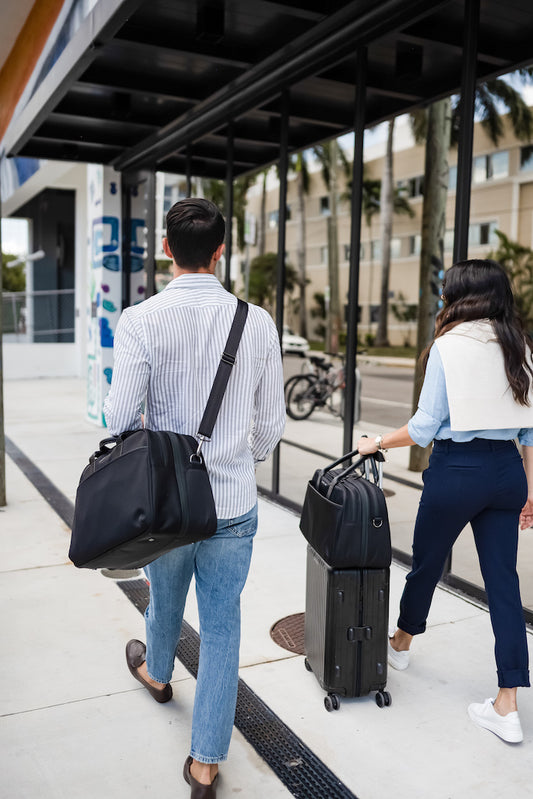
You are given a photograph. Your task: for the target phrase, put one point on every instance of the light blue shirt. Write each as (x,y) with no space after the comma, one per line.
(432,419)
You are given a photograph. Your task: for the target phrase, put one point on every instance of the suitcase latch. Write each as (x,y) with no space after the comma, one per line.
(359,633)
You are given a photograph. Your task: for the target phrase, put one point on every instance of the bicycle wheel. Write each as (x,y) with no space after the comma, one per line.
(301,397)
(288,385)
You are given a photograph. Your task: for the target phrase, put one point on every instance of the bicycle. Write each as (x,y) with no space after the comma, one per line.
(323,388)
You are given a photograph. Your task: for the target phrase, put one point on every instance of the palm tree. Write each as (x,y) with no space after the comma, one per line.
(439,127)
(331,156)
(261,237)
(392,201)
(299,165)
(371,193)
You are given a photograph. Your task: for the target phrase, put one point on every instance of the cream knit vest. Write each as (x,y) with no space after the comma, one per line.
(479,394)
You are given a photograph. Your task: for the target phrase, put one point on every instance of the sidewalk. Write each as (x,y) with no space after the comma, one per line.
(76,725)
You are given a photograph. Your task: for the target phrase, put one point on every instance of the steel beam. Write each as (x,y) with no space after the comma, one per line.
(355,250)
(229,205)
(466,131)
(327,42)
(280,273)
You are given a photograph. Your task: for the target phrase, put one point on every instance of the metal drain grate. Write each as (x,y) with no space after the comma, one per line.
(289,633)
(298,768)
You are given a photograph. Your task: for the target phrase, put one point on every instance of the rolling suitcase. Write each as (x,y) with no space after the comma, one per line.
(346,630)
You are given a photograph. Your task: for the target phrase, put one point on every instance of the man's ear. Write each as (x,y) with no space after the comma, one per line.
(166,248)
(217,255)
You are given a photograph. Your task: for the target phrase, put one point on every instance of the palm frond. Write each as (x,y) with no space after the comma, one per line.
(418,120)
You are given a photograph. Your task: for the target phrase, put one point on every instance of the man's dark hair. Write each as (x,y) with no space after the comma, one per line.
(195,229)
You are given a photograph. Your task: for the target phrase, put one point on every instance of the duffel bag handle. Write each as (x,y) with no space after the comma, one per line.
(105,443)
(369,460)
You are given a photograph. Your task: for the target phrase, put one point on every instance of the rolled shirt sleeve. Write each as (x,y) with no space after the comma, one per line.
(525,437)
(433,407)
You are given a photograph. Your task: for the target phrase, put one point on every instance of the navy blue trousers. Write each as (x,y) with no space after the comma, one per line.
(482,482)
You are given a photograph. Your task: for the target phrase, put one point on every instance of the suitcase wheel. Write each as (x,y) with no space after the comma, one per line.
(383,699)
(332,702)
(307,665)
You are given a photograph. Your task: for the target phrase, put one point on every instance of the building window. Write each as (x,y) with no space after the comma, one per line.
(414,244)
(526,158)
(347,250)
(412,187)
(498,164)
(273,219)
(488,167)
(375,250)
(482,234)
(395,248)
(374,313)
(324,254)
(324,206)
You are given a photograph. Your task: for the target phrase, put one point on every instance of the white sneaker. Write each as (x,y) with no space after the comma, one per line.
(506,727)
(398,660)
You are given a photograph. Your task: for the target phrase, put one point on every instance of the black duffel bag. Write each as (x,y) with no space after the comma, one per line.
(133,502)
(146,492)
(344,515)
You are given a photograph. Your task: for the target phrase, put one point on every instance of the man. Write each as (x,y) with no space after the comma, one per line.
(167,351)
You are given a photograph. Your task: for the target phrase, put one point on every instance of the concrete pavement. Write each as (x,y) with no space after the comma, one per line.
(75,724)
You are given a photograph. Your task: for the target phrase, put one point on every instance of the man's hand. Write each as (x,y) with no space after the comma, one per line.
(526,517)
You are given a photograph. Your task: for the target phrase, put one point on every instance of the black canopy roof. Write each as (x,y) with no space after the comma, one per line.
(143,82)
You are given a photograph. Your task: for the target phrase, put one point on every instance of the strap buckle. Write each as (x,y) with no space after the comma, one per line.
(227,358)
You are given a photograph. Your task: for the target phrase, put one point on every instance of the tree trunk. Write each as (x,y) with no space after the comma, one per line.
(302,280)
(261,242)
(432,247)
(333,255)
(370,279)
(387,207)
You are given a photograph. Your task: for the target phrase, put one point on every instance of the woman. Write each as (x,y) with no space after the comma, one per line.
(477,398)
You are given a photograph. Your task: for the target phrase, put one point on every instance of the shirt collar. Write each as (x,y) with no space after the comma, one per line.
(195,280)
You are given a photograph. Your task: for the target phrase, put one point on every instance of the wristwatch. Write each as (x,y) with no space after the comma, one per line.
(379,443)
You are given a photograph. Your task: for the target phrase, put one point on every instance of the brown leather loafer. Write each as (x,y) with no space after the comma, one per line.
(135,655)
(198,790)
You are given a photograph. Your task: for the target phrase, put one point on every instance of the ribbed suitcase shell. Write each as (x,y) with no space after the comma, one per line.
(346,627)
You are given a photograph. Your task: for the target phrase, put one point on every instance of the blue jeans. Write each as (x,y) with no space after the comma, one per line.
(482,482)
(220,566)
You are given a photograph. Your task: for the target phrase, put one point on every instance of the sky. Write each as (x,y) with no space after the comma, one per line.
(15,236)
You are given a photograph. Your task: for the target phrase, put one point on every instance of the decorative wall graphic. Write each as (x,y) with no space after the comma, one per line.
(138,243)
(105,282)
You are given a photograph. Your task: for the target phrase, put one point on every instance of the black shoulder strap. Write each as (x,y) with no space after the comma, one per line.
(224,370)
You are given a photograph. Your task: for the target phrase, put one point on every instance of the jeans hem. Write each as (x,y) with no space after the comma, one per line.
(515,678)
(208,760)
(411,629)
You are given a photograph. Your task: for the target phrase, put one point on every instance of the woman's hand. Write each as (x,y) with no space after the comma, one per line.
(526,517)
(366,446)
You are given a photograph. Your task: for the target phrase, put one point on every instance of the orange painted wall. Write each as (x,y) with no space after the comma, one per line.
(24,55)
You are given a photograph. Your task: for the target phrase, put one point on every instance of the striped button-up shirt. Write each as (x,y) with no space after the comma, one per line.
(166,354)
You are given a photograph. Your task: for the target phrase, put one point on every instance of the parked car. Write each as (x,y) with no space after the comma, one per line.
(291,343)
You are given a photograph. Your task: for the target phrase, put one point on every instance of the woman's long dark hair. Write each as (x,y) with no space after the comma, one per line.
(479,289)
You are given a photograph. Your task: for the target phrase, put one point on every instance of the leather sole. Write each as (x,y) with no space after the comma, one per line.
(198,789)
(135,656)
